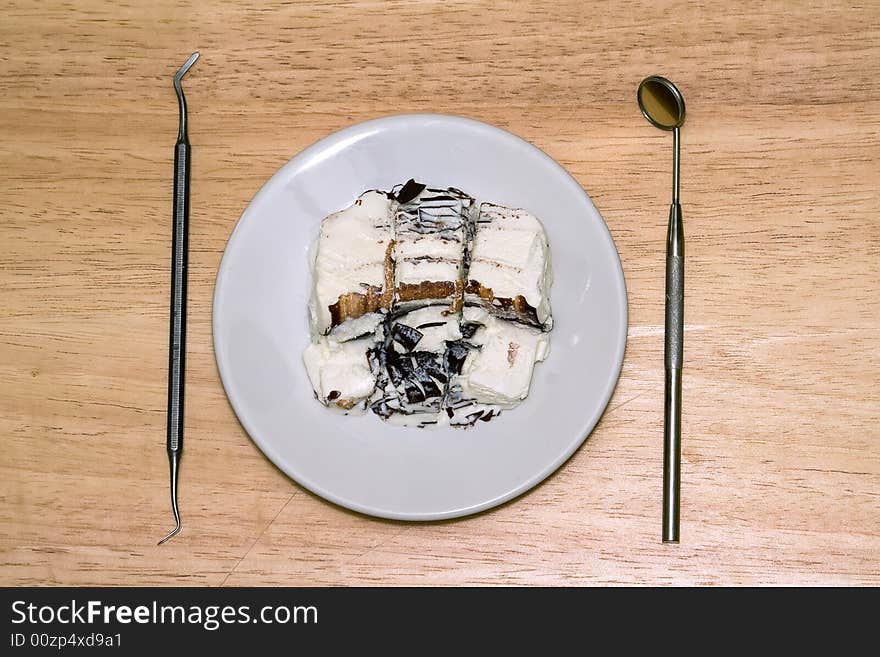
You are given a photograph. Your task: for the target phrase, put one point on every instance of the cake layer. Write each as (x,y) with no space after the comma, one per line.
(509,272)
(430,232)
(352,267)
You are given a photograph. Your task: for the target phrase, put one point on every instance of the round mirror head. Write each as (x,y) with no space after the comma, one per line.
(661,102)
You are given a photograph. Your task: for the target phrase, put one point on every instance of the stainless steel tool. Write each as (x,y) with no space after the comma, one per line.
(663,105)
(179,258)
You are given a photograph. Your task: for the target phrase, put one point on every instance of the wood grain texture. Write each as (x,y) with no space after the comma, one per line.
(781,463)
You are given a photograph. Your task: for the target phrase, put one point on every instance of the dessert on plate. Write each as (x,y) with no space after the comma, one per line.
(428,307)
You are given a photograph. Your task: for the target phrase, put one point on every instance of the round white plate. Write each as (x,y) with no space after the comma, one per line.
(364,463)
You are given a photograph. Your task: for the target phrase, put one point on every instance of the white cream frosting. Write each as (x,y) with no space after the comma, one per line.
(421,258)
(340,367)
(356,327)
(500,372)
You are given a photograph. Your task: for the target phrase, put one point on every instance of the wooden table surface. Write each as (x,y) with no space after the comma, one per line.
(780,187)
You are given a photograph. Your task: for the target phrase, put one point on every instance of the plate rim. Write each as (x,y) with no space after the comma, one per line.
(333,140)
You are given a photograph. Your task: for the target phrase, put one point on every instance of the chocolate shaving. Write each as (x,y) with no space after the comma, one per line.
(429,387)
(414,393)
(468,329)
(409,191)
(407,336)
(427,365)
(398,368)
(454,356)
(473,417)
(381,409)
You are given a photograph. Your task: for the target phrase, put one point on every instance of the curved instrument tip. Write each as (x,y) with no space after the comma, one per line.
(174,465)
(186,66)
(181,101)
(174,532)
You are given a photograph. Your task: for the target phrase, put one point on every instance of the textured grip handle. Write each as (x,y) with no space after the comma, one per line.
(673,357)
(674,311)
(179,261)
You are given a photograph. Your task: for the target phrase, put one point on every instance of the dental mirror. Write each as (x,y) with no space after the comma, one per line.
(661,102)
(663,105)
